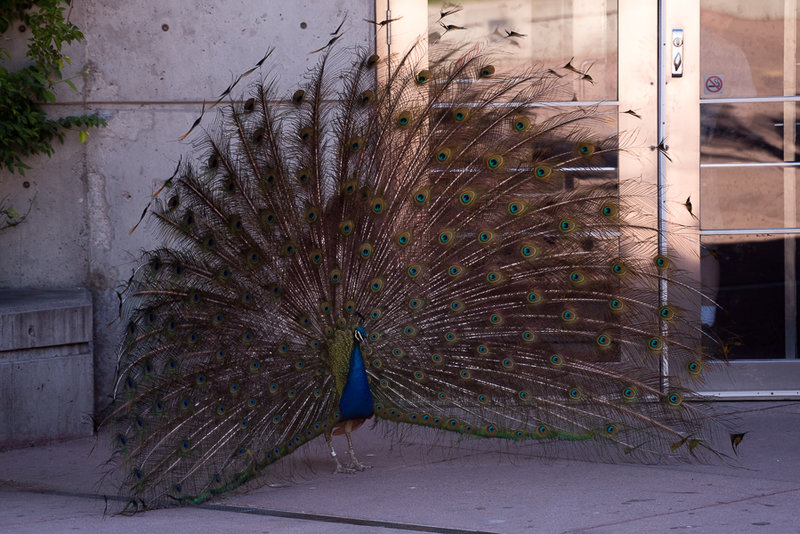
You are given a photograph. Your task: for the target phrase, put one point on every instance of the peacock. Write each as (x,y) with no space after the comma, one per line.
(418,239)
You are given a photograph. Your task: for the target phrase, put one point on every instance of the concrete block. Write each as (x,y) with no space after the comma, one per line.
(46,366)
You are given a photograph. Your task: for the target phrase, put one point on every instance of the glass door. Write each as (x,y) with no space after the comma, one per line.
(740,63)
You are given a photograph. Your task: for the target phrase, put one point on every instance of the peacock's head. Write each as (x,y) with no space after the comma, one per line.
(360,334)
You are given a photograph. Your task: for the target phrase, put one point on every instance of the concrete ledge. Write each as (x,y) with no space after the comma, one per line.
(46,366)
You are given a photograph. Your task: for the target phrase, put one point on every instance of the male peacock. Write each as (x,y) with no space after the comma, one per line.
(425,243)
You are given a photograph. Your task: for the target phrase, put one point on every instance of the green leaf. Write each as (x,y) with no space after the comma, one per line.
(72,85)
(84,136)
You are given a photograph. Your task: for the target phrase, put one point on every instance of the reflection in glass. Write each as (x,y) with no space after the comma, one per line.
(746,275)
(742,45)
(745,132)
(742,197)
(546,33)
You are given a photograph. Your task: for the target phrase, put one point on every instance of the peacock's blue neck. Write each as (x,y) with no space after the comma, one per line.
(356,401)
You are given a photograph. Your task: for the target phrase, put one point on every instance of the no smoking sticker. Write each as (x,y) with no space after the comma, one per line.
(714,84)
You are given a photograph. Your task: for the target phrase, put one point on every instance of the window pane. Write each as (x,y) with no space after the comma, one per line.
(746,275)
(552,32)
(742,47)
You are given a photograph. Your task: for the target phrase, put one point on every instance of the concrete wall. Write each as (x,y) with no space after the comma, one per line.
(151,65)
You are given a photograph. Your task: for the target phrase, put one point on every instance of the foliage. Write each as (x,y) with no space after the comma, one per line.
(25,129)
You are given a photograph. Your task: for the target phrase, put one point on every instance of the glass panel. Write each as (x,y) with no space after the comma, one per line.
(742,47)
(747,132)
(746,275)
(546,33)
(741,197)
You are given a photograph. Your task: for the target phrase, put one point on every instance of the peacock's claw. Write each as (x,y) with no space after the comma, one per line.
(358,466)
(344,470)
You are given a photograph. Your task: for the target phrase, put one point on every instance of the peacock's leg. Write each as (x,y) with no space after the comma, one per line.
(355,465)
(339,467)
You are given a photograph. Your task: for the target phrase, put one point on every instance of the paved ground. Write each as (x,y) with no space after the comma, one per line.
(420,487)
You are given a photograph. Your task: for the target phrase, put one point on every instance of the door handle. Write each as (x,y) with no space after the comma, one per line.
(677,53)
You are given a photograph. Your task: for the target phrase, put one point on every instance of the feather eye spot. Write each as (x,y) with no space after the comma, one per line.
(528,336)
(568,316)
(586,149)
(494,162)
(543,171)
(655,343)
(404,118)
(611,430)
(674,399)
(521,124)
(398,352)
(315,256)
(213,162)
(619,269)
(516,208)
(661,262)
(443,154)
(445,237)
(419,376)
(372,60)
(376,285)
(423,77)
(288,249)
(355,144)
(442,396)
(616,304)
(483,350)
(410,331)
(421,196)
(437,358)
(346,227)
(485,237)
(414,270)
(365,251)
(298,97)
(455,270)
(487,71)
(575,394)
(523,395)
(366,97)
(666,313)
(577,277)
(496,319)
(567,226)
(403,238)
(456,306)
(378,205)
(415,303)
(494,277)
(694,367)
(534,297)
(249,105)
(466,197)
(556,360)
(508,363)
(450,337)
(609,210)
(375,315)
(303,176)
(603,340)
(312,215)
(460,114)
(629,393)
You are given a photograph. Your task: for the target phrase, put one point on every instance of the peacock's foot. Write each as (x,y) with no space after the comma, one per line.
(358,466)
(344,470)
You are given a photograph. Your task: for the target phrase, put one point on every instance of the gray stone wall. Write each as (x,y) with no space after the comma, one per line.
(151,65)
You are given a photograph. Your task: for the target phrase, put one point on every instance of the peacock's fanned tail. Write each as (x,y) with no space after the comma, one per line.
(478,236)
